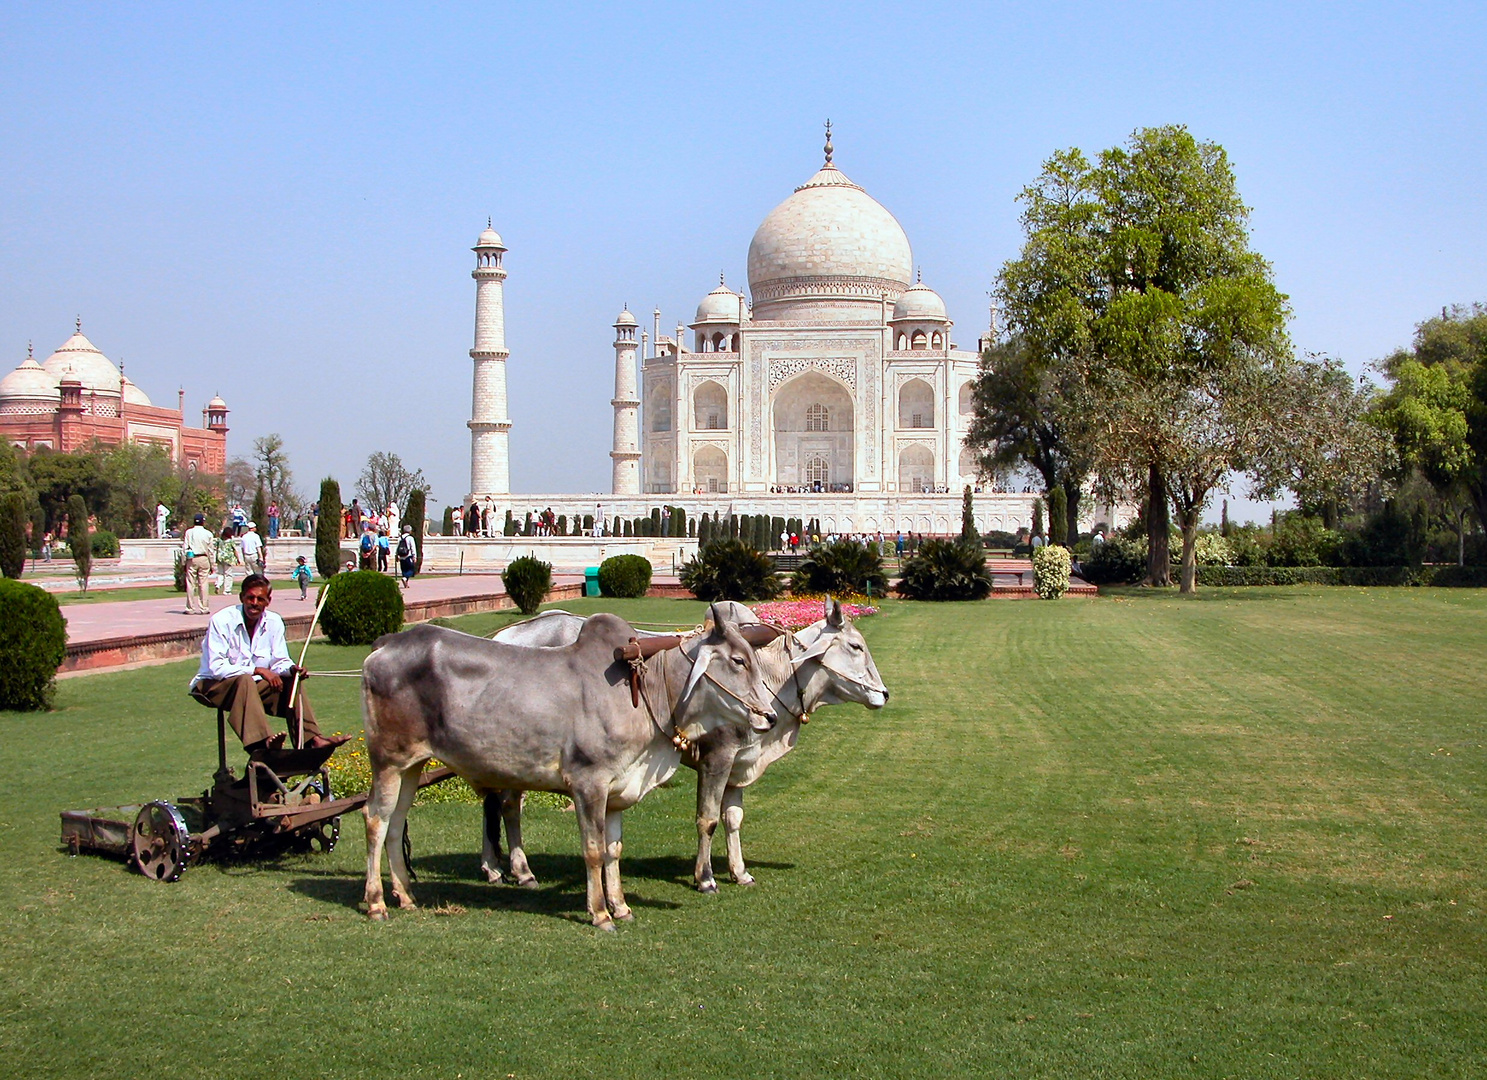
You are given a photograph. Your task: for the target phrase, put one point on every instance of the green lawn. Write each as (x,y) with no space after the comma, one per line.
(1127,837)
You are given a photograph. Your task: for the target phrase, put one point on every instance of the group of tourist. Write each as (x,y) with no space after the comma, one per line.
(356,519)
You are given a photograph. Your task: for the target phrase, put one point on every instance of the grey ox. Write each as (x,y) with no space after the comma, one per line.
(827,663)
(563,719)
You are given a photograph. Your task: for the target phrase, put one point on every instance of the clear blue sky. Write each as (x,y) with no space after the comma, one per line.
(276,202)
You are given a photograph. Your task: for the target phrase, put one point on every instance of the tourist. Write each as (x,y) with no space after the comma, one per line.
(225,555)
(162,517)
(367,550)
(357,516)
(314,514)
(46,546)
(393,516)
(302,575)
(196,549)
(273,520)
(407,555)
(255,555)
(245,669)
(1097,539)
(384,546)
(239,519)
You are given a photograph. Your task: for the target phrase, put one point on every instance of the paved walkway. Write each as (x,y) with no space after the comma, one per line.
(141,618)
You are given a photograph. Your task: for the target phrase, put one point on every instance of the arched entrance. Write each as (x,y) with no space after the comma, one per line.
(710,469)
(813,434)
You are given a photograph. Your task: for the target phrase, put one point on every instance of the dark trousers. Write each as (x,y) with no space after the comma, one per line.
(249,704)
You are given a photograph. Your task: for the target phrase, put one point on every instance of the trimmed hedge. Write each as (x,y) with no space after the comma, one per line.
(527,581)
(105,545)
(1440,576)
(33,642)
(13,534)
(363,606)
(624,576)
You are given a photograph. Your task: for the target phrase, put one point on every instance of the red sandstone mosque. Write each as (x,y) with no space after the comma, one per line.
(78,396)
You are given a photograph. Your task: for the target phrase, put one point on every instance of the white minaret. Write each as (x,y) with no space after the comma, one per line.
(626,452)
(490,461)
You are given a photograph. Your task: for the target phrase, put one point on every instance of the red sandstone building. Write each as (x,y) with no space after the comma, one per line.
(79,396)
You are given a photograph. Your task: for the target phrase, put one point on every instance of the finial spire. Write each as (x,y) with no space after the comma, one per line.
(488,224)
(79,324)
(29,354)
(828,147)
(722,280)
(919,276)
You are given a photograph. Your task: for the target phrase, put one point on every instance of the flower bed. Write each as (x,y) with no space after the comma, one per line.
(802,611)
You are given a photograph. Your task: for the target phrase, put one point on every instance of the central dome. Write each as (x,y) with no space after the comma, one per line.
(829,248)
(78,357)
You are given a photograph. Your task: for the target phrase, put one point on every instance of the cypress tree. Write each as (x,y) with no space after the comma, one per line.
(588,523)
(1224,527)
(260,512)
(1037,517)
(627,528)
(328,530)
(509,527)
(13,534)
(413,515)
(1058,513)
(529,528)
(704,530)
(80,540)
(968,531)
(446,527)
(616,530)
(562,524)
(655,521)
(692,527)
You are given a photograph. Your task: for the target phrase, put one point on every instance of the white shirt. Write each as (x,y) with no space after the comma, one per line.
(252,545)
(226,650)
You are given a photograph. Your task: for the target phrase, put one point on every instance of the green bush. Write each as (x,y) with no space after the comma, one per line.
(13,534)
(1472,577)
(945,570)
(105,545)
(77,530)
(33,642)
(1115,562)
(1051,570)
(363,605)
(178,573)
(1302,540)
(730,570)
(1000,539)
(527,581)
(624,576)
(841,569)
(328,530)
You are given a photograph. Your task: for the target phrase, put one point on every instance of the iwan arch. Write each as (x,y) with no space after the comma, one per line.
(838,393)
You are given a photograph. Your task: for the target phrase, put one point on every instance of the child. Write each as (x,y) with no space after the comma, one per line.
(302,574)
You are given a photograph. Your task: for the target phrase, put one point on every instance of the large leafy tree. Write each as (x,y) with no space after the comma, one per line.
(1162,331)
(386,480)
(1436,409)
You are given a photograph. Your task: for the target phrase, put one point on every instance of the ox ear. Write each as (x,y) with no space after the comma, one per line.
(706,650)
(835,618)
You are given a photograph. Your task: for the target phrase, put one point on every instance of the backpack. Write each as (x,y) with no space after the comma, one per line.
(366,543)
(405,548)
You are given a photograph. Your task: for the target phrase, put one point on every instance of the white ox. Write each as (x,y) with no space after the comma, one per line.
(827,663)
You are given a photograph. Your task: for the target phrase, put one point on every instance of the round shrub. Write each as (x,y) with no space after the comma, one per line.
(1051,569)
(946,570)
(841,569)
(105,545)
(363,606)
(730,570)
(527,581)
(33,642)
(624,576)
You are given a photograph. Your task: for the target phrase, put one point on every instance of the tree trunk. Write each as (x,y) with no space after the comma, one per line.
(1072,497)
(1461,536)
(1158,530)
(1189,554)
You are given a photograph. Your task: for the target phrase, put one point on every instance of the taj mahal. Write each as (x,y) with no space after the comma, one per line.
(833,390)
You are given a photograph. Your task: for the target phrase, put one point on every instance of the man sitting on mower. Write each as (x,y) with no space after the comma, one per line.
(245,669)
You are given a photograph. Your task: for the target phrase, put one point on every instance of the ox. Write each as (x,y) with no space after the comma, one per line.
(827,663)
(564,719)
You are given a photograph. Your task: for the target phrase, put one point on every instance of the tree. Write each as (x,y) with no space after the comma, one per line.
(968,531)
(80,540)
(56,477)
(240,480)
(1435,409)
(259,514)
(413,515)
(1023,407)
(1138,280)
(1058,523)
(271,464)
(386,481)
(12,534)
(328,530)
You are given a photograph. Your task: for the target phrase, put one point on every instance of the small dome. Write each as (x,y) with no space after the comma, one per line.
(215,404)
(920,303)
(722,305)
(133,395)
(624,318)
(79,358)
(490,239)
(30,380)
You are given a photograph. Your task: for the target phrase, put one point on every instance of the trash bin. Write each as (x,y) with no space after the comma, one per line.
(591,581)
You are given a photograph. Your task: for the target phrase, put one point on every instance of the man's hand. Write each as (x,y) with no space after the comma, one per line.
(270,676)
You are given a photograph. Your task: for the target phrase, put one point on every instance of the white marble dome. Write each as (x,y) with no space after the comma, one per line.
(30,382)
(624,318)
(920,303)
(722,305)
(78,358)
(828,239)
(490,239)
(133,395)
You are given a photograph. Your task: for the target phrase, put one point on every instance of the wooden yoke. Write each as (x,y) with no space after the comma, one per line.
(638,650)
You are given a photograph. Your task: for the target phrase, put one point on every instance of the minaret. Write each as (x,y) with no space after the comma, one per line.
(626,452)
(490,462)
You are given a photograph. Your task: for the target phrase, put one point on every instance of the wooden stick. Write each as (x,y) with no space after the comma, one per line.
(294,688)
